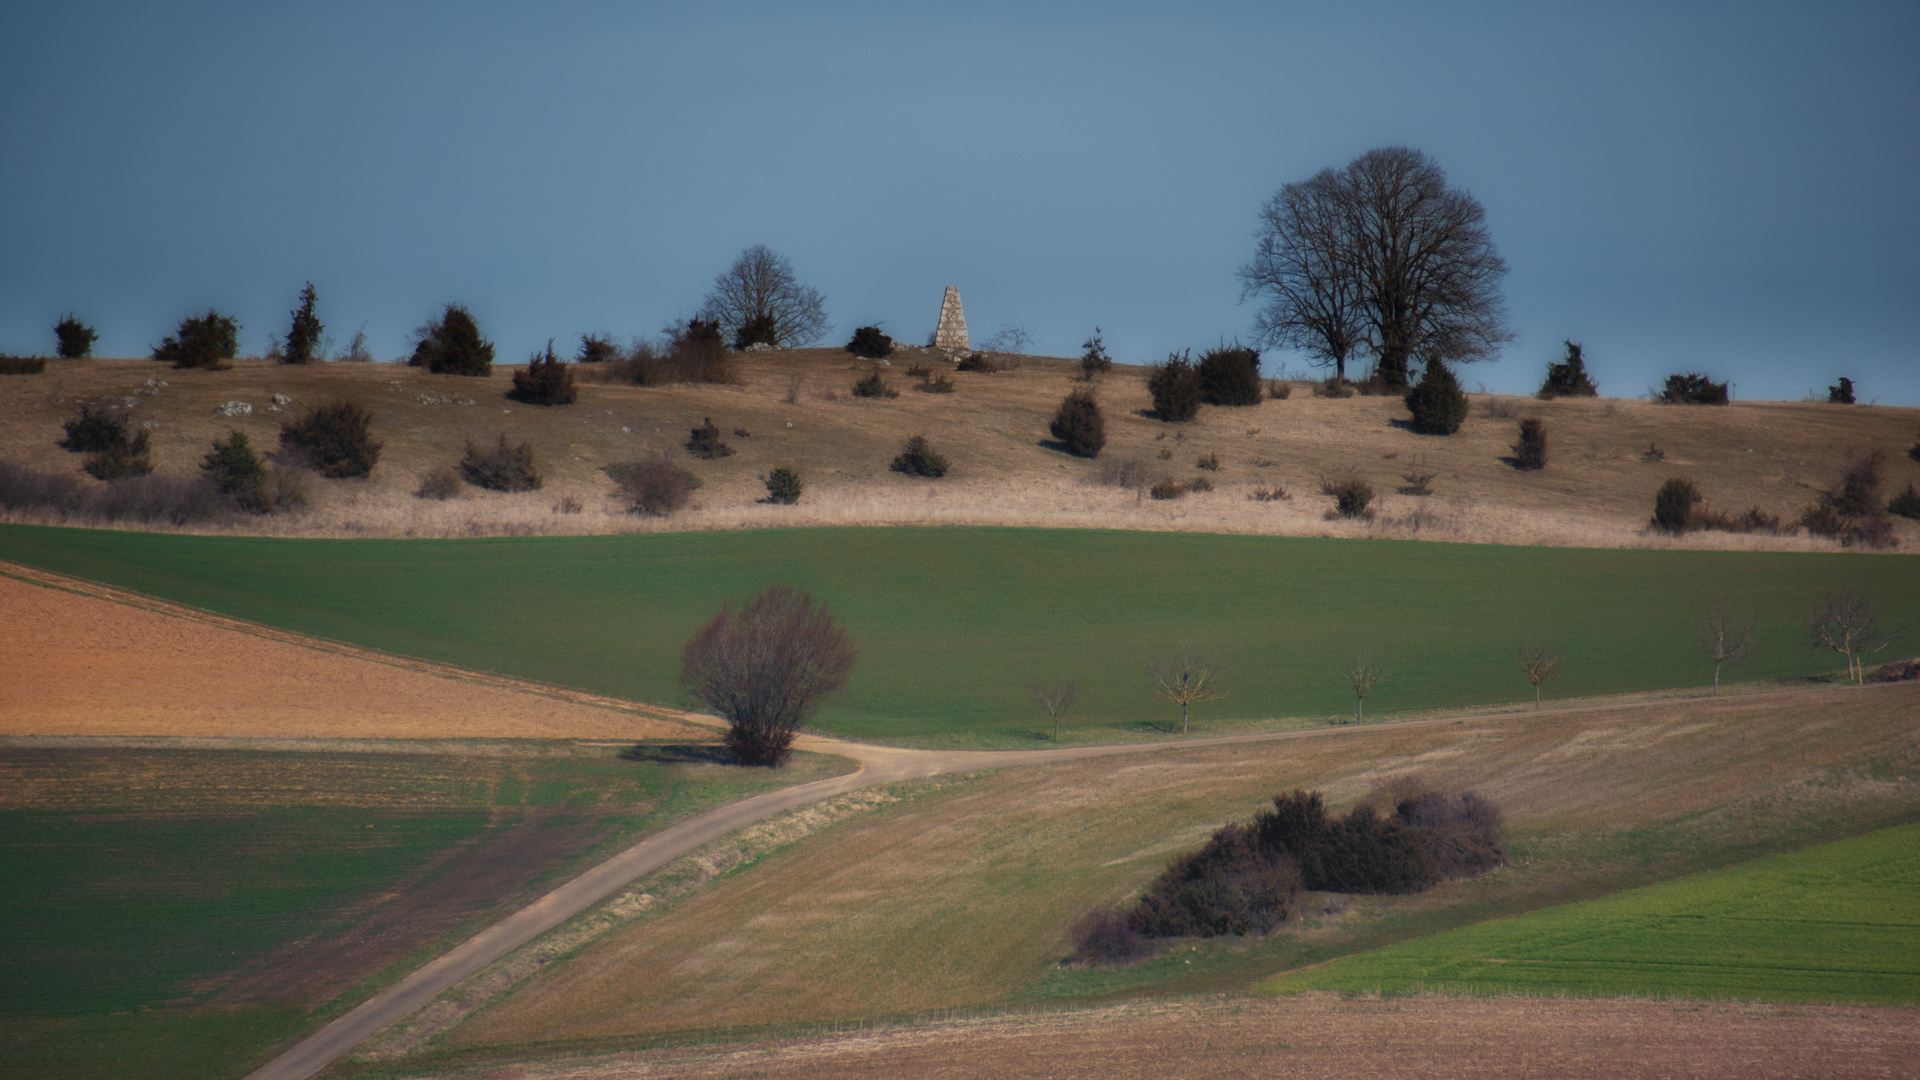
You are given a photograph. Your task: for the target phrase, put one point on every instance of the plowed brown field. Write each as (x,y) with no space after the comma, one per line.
(77,659)
(1322,1036)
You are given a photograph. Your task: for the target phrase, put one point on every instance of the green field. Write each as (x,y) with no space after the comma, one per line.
(154,900)
(1839,922)
(952,624)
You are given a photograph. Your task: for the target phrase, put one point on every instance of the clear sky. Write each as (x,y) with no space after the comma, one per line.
(1730,188)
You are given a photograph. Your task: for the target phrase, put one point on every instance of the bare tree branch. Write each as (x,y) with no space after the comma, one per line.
(1538,663)
(1055,698)
(758,300)
(1724,636)
(1363,673)
(1187,675)
(1846,622)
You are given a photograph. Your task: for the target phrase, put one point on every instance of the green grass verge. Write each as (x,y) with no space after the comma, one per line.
(952,624)
(1839,922)
(138,882)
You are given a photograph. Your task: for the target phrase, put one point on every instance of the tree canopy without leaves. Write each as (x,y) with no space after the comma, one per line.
(1726,637)
(758,300)
(1363,673)
(766,667)
(1186,675)
(1846,623)
(1055,699)
(1381,255)
(1538,663)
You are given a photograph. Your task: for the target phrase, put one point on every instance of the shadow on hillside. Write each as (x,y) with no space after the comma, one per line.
(679,753)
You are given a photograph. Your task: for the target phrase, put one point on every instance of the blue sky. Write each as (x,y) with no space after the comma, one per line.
(1728,188)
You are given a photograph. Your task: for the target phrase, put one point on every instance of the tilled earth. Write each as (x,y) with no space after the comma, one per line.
(1322,1036)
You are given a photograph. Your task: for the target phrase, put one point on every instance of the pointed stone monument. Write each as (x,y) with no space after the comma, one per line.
(951,334)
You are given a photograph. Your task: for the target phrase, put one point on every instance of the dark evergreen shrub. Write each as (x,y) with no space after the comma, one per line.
(1569,378)
(1841,394)
(238,474)
(1108,939)
(1079,425)
(784,486)
(977,362)
(697,353)
(303,337)
(1531,451)
(755,330)
(1175,386)
(870,344)
(1673,505)
(596,349)
(1279,390)
(203,341)
(335,440)
(704,442)
(1859,491)
(501,468)
(934,384)
(654,488)
(546,381)
(22,365)
(1693,389)
(1914,451)
(1906,503)
(439,483)
(1094,361)
(75,338)
(95,431)
(918,459)
(1437,403)
(873,386)
(1821,519)
(452,345)
(121,461)
(1230,375)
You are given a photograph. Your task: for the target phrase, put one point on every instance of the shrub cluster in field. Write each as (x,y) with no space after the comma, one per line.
(1851,512)
(1404,837)
(502,467)
(546,381)
(114,451)
(335,440)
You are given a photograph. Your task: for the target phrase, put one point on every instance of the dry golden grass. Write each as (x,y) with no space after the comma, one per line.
(1596,491)
(957,897)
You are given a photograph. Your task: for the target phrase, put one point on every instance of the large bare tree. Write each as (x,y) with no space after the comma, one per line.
(758,300)
(1186,675)
(1384,255)
(1846,622)
(1538,663)
(766,668)
(1726,637)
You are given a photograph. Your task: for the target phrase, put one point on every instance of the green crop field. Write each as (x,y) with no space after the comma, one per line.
(953,624)
(178,913)
(1839,922)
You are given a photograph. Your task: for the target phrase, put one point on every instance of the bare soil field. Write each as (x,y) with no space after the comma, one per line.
(1597,489)
(1318,1036)
(85,660)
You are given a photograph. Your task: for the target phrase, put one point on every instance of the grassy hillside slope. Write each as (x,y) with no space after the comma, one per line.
(1597,489)
(952,624)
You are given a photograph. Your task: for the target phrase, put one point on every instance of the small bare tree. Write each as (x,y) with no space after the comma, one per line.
(1363,672)
(1538,663)
(766,667)
(1055,698)
(1187,675)
(1846,622)
(1726,637)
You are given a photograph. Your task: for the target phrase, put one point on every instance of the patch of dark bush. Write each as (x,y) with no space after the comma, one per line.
(1906,503)
(238,474)
(22,365)
(452,345)
(919,459)
(546,381)
(784,486)
(1230,375)
(1351,497)
(1199,484)
(1841,393)
(653,488)
(92,431)
(502,467)
(1437,404)
(1079,424)
(1208,461)
(335,440)
(873,386)
(1569,377)
(1852,512)
(120,462)
(596,349)
(1530,453)
(1230,886)
(1175,386)
(1108,939)
(1674,505)
(1130,471)
(143,499)
(1279,391)
(978,362)
(704,442)
(1168,488)
(870,344)
(1334,387)
(1094,361)
(1898,670)
(203,341)
(74,338)
(303,334)
(1693,388)
(934,384)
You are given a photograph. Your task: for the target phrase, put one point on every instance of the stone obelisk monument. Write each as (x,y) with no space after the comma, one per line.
(951,334)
